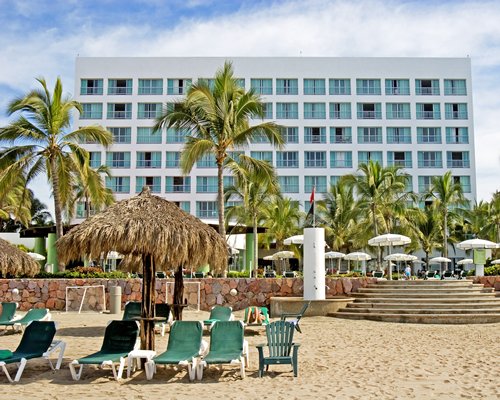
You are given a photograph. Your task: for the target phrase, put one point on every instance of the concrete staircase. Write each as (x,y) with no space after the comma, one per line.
(424,302)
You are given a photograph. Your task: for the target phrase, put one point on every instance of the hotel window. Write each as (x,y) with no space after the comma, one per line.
(120,135)
(227,182)
(289,184)
(263,156)
(206,161)
(178,86)
(175,135)
(235,155)
(369,111)
(240,82)
(259,138)
(206,209)
(409,186)
(210,82)
(397,87)
(340,134)
(315,159)
(340,86)
(118,184)
(287,110)
(178,184)
(91,111)
(206,184)
(428,111)
(81,210)
(153,182)
(398,110)
(287,159)
(455,110)
(399,159)
(399,135)
(425,183)
(457,135)
(172,159)
(314,111)
(340,110)
(455,87)
(340,159)
(267,109)
(427,87)
(91,86)
(457,159)
(95,159)
(364,157)
(183,205)
(464,182)
(120,86)
(119,111)
(430,159)
(334,180)
(150,86)
(368,134)
(290,134)
(147,135)
(368,86)
(429,135)
(314,134)
(287,86)
(314,86)
(148,110)
(318,182)
(118,159)
(148,159)
(262,86)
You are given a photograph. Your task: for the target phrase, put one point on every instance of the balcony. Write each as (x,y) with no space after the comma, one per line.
(430,164)
(427,91)
(369,115)
(428,115)
(287,164)
(119,114)
(148,164)
(119,90)
(456,115)
(340,115)
(399,115)
(458,164)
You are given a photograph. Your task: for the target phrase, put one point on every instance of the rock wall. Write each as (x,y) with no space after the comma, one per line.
(61,294)
(488,281)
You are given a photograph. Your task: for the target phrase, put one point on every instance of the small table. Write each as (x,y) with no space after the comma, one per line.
(135,357)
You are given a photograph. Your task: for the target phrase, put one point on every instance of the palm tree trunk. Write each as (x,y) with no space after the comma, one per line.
(220,199)
(445,238)
(57,198)
(375,230)
(148,304)
(255,244)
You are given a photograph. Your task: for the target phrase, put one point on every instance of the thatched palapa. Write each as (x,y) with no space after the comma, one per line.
(16,262)
(158,231)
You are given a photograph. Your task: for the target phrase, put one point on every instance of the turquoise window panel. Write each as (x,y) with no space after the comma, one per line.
(210,82)
(315,159)
(287,86)
(464,182)
(262,86)
(149,110)
(287,110)
(267,108)
(368,87)
(457,135)
(430,159)
(178,86)
(207,209)
(457,159)
(148,159)
(399,159)
(314,111)
(340,110)
(150,86)
(455,87)
(118,184)
(227,181)
(262,155)
(427,87)
(369,110)
(91,111)
(289,184)
(287,159)
(121,134)
(399,135)
(408,184)
(91,86)
(425,183)
(397,87)
(428,111)
(235,155)
(318,182)
(398,111)
(314,134)
(206,161)
(153,182)
(369,134)
(429,135)
(456,111)
(340,134)
(334,180)
(147,135)
(290,134)
(240,82)
(341,159)
(175,135)
(119,111)
(120,86)
(118,159)
(259,138)
(184,206)
(95,159)
(173,159)
(314,86)
(364,157)
(178,184)
(339,86)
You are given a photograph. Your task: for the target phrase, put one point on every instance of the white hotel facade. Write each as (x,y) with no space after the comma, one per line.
(336,114)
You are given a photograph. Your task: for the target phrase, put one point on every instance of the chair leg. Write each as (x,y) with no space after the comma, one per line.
(120,368)
(149,367)
(75,374)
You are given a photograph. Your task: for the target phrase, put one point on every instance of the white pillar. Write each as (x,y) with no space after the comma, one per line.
(314,264)
(479,270)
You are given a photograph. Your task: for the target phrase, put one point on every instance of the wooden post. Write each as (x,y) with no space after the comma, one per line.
(148,303)
(178,294)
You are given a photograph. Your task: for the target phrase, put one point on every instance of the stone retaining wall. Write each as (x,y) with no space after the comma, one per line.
(51,293)
(489,281)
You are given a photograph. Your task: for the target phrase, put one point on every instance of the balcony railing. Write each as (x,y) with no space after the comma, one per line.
(368,90)
(314,114)
(287,164)
(287,114)
(341,164)
(340,115)
(397,91)
(427,91)
(91,90)
(456,115)
(430,164)
(458,164)
(398,115)
(91,115)
(178,188)
(290,188)
(400,163)
(341,139)
(120,90)
(315,164)
(148,114)
(369,115)
(119,114)
(428,115)
(455,91)
(148,164)
(399,139)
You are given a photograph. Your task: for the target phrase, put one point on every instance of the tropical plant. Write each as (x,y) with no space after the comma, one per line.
(491,229)
(217,119)
(39,142)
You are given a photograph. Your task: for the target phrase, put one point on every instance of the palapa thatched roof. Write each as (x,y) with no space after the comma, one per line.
(16,262)
(146,225)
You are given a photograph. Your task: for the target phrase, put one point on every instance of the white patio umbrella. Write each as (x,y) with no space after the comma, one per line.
(282,255)
(36,256)
(472,244)
(297,239)
(389,239)
(497,261)
(439,260)
(465,261)
(268,258)
(357,256)
(334,255)
(400,257)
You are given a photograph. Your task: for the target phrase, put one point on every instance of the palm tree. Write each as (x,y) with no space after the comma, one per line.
(446,194)
(425,230)
(492,228)
(217,118)
(39,142)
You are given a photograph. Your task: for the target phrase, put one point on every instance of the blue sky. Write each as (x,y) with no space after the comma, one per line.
(43,38)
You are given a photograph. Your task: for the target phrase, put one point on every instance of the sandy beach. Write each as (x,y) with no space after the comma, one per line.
(339,359)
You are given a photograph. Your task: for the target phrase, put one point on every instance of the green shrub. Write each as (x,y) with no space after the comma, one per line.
(238,274)
(84,273)
(492,270)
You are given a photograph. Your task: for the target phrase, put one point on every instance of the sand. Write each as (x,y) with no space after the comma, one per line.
(338,359)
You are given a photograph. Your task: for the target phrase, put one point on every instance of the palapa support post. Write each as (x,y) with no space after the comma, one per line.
(148,304)
(178,294)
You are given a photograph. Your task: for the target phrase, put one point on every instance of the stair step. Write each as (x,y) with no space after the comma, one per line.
(468,305)
(424,294)
(422,318)
(419,283)
(436,311)
(426,290)
(438,299)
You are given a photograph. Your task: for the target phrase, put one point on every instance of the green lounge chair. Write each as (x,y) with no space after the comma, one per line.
(162,310)
(132,310)
(35,314)
(250,313)
(296,316)
(226,346)
(280,345)
(219,313)
(37,342)
(8,312)
(120,338)
(184,348)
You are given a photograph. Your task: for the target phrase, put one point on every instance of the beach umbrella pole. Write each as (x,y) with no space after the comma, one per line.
(148,304)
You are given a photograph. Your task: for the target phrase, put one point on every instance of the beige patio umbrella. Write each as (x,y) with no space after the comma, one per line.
(16,262)
(157,232)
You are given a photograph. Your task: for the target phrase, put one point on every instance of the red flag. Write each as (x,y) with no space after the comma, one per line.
(311,200)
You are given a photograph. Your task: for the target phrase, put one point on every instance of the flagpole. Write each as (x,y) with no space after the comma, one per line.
(313,206)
